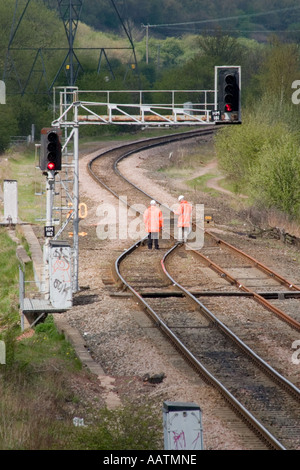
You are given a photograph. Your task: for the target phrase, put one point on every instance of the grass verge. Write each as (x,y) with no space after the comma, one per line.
(41,387)
(42,384)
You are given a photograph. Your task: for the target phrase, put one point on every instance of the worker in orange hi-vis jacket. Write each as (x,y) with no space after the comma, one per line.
(184,220)
(153,220)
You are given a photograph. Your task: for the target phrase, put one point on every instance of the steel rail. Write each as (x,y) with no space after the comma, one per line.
(142,145)
(157,141)
(285,317)
(200,368)
(291,388)
(259,298)
(256,263)
(250,419)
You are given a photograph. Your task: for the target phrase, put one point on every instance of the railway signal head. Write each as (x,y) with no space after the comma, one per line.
(228,93)
(50,152)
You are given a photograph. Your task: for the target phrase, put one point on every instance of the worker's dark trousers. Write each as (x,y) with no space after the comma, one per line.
(183,233)
(153,236)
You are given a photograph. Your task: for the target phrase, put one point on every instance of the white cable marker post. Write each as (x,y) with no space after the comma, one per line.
(182,424)
(2,92)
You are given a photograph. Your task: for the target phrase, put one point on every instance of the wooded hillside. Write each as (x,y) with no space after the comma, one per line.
(260,158)
(251,18)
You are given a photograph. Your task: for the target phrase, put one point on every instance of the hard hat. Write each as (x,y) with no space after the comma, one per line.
(180,198)
(152,202)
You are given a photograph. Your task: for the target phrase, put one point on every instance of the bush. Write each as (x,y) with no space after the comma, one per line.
(262,160)
(130,428)
(239,149)
(275,180)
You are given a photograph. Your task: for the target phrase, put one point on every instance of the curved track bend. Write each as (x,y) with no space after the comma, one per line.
(266,400)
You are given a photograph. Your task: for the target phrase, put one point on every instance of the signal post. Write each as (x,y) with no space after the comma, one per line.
(49,228)
(228,94)
(50,164)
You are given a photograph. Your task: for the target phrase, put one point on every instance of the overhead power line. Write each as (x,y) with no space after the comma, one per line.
(228,18)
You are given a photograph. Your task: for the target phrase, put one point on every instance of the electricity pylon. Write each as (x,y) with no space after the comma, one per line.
(70,13)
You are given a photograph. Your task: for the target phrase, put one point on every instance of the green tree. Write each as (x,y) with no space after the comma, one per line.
(280,67)
(224,49)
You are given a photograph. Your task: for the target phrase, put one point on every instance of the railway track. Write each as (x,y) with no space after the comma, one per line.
(247,274)
(264,398)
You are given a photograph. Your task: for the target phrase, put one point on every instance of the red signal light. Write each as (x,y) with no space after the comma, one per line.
(51,166)
(227,94)
(51,149)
